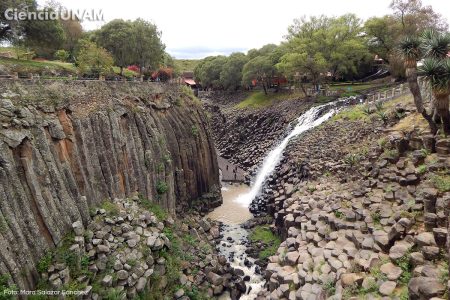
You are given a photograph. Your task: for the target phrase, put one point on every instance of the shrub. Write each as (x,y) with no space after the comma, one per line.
(62,55)
(382,142)
(329,287)
(338,214)
(379,106)
(422,169)
(367,110)
(161,187)
(5,288)
(404,264)
(352,159)
(383,117)
(2,225)
(133,68)
(441,182)
(390,153)
(44,263)
(93,60)
(194,130)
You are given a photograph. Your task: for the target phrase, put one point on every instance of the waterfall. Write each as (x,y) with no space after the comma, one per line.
(308,120)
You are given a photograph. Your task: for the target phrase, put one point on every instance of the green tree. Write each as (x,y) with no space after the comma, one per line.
(94,60)
(148,49)
(73,33)
(231,73)
(382,34)
(115,37)
(259,68)
(208,71)
(296,65)
(322,44)
(44,36)
(12,30)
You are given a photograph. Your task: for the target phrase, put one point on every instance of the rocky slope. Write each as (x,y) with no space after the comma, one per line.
(132,249)
(68,146)
(362,206)
(244,136)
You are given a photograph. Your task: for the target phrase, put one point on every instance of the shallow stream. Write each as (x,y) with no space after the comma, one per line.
(233,245)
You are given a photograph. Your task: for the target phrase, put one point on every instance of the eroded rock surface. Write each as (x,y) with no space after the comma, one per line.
(68,146)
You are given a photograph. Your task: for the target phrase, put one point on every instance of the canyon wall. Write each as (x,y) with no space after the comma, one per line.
(66,147)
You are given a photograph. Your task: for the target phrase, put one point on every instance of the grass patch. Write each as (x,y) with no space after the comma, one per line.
(33,66)
(348,88)
(110,208)
(354,113)
(259,99)
(441,182)
(157,210)
(127,73)
(265,235)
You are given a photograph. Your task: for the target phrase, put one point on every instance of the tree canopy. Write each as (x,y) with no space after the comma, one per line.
(334,44)
(132,42)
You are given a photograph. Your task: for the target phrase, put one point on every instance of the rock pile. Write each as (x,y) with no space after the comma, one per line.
(128,250)
(374,226)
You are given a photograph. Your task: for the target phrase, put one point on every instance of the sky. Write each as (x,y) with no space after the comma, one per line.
(198,28)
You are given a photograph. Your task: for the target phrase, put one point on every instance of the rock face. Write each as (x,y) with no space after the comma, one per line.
(244,136)
(68,146)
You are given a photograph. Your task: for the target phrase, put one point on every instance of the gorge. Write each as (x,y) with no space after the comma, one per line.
(112,188)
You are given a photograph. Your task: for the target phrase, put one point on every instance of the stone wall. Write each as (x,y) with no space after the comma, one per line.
(67,146)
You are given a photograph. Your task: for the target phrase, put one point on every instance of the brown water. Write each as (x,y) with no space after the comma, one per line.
(231,212)
(235,238)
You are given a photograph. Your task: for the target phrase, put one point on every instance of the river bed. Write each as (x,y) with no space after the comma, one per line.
(235,238)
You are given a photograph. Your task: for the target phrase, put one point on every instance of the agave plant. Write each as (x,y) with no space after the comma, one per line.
(437,72)
(411,50)
(435,44)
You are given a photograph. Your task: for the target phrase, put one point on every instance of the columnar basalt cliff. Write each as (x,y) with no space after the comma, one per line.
(68,146)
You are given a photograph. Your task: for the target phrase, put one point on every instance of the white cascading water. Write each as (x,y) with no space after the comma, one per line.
(305,122)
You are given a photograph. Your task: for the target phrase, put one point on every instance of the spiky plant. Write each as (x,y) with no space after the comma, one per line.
(411,51)
(437,73)
(410,48)
(435,44)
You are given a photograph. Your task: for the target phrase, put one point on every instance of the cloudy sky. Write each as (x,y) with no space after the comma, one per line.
(198,28)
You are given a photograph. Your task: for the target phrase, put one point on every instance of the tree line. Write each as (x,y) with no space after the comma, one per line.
(119,42)
(322,48)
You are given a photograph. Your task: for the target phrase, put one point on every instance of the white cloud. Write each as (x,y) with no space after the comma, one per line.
(198,28)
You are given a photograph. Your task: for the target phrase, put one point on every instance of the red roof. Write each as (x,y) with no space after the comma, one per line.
(189,81)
